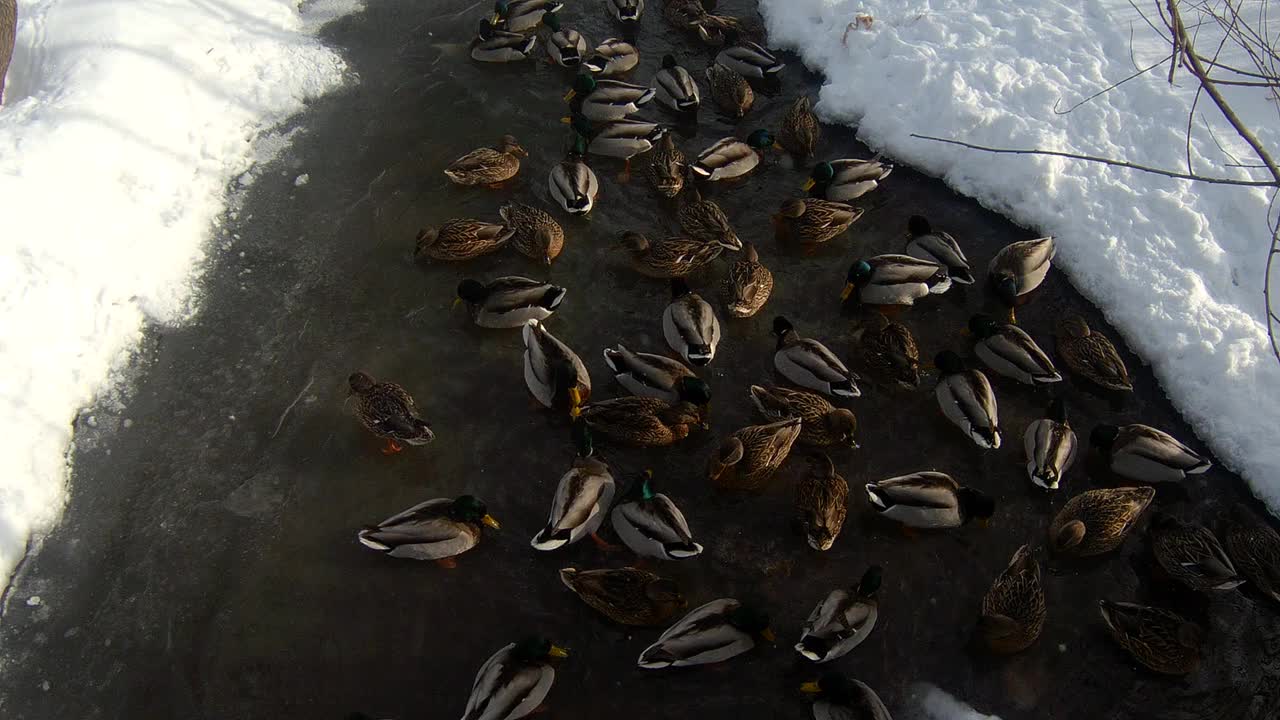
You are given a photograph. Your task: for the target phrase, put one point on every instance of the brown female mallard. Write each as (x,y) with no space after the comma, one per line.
(670,257)
(730,91)
(642,421)
(1091,355)
(822,501)
(388,411)
(821,423)
(1097,521)
(1255,550)
(800,129)
(488,166)
(1192,555)
(812,222)
(748,285)
(667,168)
(535,233)
(1013,610)
(704,221)
(747,459)
(887,350)
(627,596)
(1160,639)
(461,240)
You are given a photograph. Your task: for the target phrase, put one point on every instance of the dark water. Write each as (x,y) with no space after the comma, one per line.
(207,567)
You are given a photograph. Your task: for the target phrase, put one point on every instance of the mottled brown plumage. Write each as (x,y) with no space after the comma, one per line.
(388,410)
(667,167)
(1192,555)
(1255,550)
(461,240)
(627,596)
(748,285)
(747,459)
(1091,355)
(822,501)
(1097,521)
(642,421)
(1013,610)
(704,221)
(821,423)
(887,350)
(535,233)
(800,129)
(730,91)
(812,221)
(1160,639)
(670,257)
(488,166)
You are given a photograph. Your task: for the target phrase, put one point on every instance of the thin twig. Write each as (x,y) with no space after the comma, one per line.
(1110,87)
(285,414)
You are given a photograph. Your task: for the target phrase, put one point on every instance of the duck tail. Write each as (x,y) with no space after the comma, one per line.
(845,388)
(684,550)
(813,648)
(550,539)
(700,355)
(873,494)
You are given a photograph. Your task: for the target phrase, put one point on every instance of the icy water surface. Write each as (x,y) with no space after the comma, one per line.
(207,566)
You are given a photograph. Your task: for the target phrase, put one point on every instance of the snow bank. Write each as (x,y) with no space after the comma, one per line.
(935,704)
(1176,267)
(123,122)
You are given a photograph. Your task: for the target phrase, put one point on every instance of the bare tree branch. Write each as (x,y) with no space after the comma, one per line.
(1110,87)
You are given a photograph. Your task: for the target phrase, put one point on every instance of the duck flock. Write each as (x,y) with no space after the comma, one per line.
(666,401)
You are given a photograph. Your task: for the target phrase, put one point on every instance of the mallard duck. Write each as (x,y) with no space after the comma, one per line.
(939,248)
(462,239)
(717,631)
(514,681)
(1160,639)
(1255,551)
(842,620)
(750,60)
(676,89)
(582,498)
(612,57)
(748,285)
(519,16)
(812,222)
(492,45)
(573,183)
(1011,352)
(930,500)
(488,166)
(730,91)
(747,459)
(626,12)
(565,46)
(800,129)
(667,168)
(1050,445)
(887,350)
(968,401)
(1013,609)
(536,234)
(555,374)
(646,421)
(647,375)
(690,325)
(388,411)
(1091,355)
(846,179)
(509,302)
(623,138)
(893,280)
(821,423)
(1192,555)
(809,364)
(627,596)
(731,158)
(704,221)
(840,698)
(433,530)
(670,257)
(1145,454)
(605,100)
(653,526)
(1019,268)
(822,501)
(1097,521)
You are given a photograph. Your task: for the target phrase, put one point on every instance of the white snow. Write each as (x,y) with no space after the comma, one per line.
(933,703)
(123,122)
(1176,266)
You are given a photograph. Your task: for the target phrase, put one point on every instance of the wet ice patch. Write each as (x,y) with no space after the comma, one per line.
(933,703)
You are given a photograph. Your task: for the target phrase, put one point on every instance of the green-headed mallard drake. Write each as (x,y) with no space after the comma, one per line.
(582,497)
(510,301)
(690,325)
(931,500)
(887,350)
(1192,555)
(1091,355)
(842,620)
(652,526)
(623,139)
(1050,445)
(536,234)
(669,257)
(493,45)
(748,285)
(520,16)
(554,374)
(605,100)
(1019,268)
(729,91)
(573,183)
(514,681)
(388,411)
(750,60)
(822,501)
(731,158)
(656,376)
(800,130)
(627,596)
(611,58)
(846,179)
(939,248)
(748,458)
(812,222)
(821,423)
(462,239)
(809,364)
(1145,454)
(646,421)
(488,166)
(715,632)
(704,221)
(1011,352)
(1160,639)
(627,12)
(676,89)
(565,46)
(837,697)
(893,280)
(1097,521)
(433,530)
(1013,609)
(966,398)
(1255,551)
